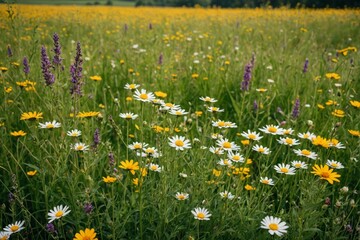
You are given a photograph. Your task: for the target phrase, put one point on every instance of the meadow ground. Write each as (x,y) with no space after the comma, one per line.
(162,123)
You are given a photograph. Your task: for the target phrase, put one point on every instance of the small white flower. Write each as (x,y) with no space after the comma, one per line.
(299,165)
(179,143)
(137,146)
(267,181)
(214,109)
(261,149)
(271,129)
(201,214)
(208,99)
(5,235)
(305,153)
(227,195)
(307,135)
(144,96)
(128,116)
(154,167)
(74,133)
(225,162)
(178,112)
(216,150)
(14,227)
(181,196)
(81,147)
(183,175)
(283,168)
(58,212)
(226,145)
(235,157)
(50,125)
(131,86)
(288,141)
(251,135)
(274,225)
(334,164)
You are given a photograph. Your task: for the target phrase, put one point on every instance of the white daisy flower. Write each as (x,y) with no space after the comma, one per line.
(216,136)
(288,131)
(214,109)
(128,116)
(4,235)
(225,162)
(208,99)
(226,145)
(307,135)
(299,165)
(288,141)
(178,112)
(284,169)
(267,181)
(154,167)
(201,214)
(169,106)
(274,225)
(58,212)
(131,86)
(179,143)
(80,147)
(14,227)
(271,129)
(144,96)
(50,125)
(74,133)
(334,164)
(261,149)
(251,135)
(157,101)
(181,196)
(149,152)
(235,157)
(216,150)
(137,146)
(223,124)
(227,195)
(305,153)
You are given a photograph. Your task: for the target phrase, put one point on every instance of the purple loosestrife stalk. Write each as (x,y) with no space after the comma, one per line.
(161,59)
(245,84)
(96,138)
(57,60)
(76,72)
(296,110)
(306,66)
(9,51)
(26,66)
(46,68)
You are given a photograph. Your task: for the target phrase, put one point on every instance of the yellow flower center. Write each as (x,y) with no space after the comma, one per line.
(181,197)
(325,174)
(59,214)
(86,238)
(298,165)
(132,86)
(178,113)
(273,226)
(252,136)
(201,215)
(226,161)
(272,129)
(334,165)
(261,150)
(306,135)
(284,170)
(221,124)
(236,158)
(74,134)
(50,125)
(143,96)
(289,141)
(149,150)
(214,109)
(153,167)
(170,105)
(207,99)
(14,228)
(265,181)
(137,146)
(227,145)
(80,147)
(128,116)
(179,143)
(305,152)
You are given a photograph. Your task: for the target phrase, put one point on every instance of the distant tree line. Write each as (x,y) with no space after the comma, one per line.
(252,3)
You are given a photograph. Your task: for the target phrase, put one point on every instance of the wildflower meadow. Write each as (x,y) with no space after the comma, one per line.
(179,123)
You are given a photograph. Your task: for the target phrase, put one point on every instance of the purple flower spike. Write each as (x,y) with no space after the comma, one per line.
(26,66)
(296,110)
(161,58)
(96,138)
(76,72)
(306,65)
(245,84)
(57,60)
(9,51)
(46,68)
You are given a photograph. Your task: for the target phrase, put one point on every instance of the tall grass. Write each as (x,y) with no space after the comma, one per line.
(187,54)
